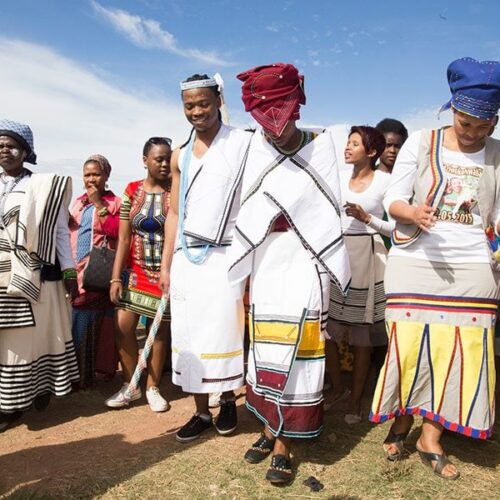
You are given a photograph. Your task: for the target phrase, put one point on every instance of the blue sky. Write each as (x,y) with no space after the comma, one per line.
(102,75)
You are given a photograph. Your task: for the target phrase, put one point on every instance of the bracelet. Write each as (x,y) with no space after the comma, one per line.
(102,212)
(69,274)
(115,280)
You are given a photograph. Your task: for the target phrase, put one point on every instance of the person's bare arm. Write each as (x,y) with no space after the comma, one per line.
(422,215)
(121,257)
(170,225)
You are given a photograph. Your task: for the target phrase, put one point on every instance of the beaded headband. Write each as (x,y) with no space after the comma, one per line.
(198,84)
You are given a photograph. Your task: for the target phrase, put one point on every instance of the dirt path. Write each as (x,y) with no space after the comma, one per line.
(79,449)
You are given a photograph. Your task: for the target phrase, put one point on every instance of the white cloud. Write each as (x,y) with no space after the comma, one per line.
(273,28)
(148,34)
(75,113)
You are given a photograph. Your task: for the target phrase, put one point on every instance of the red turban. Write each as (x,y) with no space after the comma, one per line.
(273,95)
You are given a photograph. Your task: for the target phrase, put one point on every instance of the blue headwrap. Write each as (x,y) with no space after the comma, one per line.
(22,134)
(475,87)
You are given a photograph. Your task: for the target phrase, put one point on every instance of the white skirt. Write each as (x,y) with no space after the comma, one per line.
(286,362)
(207,325)
(41,358)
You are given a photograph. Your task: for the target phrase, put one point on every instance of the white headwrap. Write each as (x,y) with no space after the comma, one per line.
(215,81)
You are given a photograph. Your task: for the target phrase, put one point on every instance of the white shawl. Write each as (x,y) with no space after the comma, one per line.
(305,188)
(214,186)
(35,242)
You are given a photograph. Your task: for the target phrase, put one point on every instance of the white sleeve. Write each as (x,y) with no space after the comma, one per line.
(63,244)
(381,226)
(403,175)
(335,184)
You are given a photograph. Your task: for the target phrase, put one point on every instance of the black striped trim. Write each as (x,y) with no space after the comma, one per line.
(5,266)
(15,312)
(48,222)
(256,185)
(337,241)
(317,179)
(226,379)
(10,215)
(4,245)
(54,373)
(26,286)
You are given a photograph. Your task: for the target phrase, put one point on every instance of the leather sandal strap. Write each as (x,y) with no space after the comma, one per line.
(441,463)
(393,438)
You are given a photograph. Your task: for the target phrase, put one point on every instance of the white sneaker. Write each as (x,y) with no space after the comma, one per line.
(119,400)
(156,401)
(214,399)
(352,419)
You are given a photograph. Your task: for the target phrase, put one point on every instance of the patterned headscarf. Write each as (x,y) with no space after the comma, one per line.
(102,162)
(22,134)
(273,95)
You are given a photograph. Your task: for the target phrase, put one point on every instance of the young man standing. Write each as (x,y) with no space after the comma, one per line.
(207,312)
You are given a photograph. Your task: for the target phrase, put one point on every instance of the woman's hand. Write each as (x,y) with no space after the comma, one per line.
(71,286)
(94,196)
(115,292)
(423,216)
(357,211)
(164,282)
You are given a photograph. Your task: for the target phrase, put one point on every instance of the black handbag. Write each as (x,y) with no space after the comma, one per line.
(97,272)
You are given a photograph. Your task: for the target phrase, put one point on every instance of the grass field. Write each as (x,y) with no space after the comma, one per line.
(77,449)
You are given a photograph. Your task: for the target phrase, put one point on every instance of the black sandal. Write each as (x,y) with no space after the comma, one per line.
(260,449)
(280,471)
(441,461)
(397,440)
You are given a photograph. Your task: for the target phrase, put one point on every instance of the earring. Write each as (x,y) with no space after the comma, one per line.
(106,186)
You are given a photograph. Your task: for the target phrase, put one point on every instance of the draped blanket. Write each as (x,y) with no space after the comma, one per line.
(304,187)
(214,186)
(35,233)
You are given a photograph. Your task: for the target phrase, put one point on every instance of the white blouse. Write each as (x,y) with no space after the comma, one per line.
(371,199)
(458,234)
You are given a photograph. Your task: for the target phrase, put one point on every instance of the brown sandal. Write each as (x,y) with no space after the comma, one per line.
(441,462)
(398,440)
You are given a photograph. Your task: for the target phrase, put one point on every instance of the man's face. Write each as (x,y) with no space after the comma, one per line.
(201,107)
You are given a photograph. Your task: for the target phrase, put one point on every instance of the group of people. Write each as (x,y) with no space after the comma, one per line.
(269,208)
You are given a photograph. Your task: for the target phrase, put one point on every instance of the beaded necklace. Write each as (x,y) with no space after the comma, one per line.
(305,138)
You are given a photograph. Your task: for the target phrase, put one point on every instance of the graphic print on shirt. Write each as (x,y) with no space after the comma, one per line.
(460,196)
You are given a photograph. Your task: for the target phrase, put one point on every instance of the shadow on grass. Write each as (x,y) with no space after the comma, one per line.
(89,467)
(88,403)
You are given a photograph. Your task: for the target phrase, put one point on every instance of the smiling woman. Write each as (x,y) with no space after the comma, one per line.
(442,282)
(136,270)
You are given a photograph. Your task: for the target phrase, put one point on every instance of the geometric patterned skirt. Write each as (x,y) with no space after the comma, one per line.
(289,306)
(440,358)
(364,303)
(141,292)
